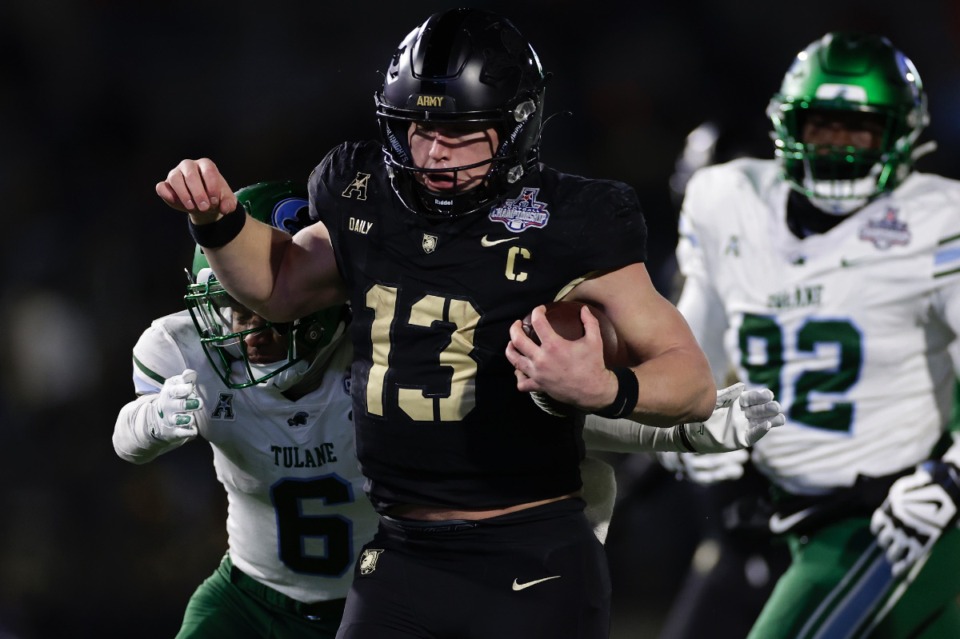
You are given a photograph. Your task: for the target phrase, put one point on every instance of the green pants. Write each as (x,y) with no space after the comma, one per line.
(839,585)
(232,605)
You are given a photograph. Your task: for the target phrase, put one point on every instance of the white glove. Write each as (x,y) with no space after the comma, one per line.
(918,508)
(705,469)
(171,418)
(735,425)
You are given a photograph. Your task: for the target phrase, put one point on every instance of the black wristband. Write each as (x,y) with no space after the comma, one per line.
(628,392)
(221,232)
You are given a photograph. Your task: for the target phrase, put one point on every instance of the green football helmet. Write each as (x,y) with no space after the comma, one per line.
(217,315)
(860,75)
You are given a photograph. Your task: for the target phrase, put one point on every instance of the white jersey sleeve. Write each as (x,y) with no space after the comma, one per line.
(849,328)
(156,356)
(703,310)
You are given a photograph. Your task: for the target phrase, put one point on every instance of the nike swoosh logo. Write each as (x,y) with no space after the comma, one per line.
(517,586)
(485,243)
(845,263)
(780,524)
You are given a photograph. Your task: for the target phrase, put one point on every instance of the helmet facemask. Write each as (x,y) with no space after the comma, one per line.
(862,83)
(223,330)
(505,164)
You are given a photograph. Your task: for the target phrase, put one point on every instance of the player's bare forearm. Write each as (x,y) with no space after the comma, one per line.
(675,387)
(278,277)
(673,374)
(247,265)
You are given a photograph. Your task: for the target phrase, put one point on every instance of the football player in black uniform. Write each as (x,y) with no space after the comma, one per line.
(442,236)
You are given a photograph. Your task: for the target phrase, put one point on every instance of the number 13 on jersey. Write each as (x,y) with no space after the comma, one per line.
(449,394)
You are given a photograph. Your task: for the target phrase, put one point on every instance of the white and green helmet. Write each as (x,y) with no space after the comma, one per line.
(282,204)
(852,72)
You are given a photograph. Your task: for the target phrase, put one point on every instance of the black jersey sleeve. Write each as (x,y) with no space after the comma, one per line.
(337,184)
(321,202)
(602,222)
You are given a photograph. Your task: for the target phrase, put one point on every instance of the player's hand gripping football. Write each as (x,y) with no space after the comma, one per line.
(570,371)
(918,508)
(172,416)
(739,420)
(197,187)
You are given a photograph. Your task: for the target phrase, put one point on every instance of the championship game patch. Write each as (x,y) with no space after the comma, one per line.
(887,231)
(523,212)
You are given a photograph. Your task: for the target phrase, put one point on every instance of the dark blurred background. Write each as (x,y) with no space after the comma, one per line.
(99,99)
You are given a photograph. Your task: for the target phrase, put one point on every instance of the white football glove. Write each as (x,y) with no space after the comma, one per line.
(721,441)
(171,417)
(735,424)
(918,508)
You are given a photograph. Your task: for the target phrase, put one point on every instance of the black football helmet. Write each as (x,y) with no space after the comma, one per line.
(853,74)
(282,204)
(465,66)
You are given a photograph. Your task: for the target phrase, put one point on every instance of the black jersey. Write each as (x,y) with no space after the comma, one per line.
(439,419)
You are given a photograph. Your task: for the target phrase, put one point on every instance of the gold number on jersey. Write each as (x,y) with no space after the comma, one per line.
(383,301)
(430,312)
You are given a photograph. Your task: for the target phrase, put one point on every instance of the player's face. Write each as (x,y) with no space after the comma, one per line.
(436,146)
(843,128)
(263,347)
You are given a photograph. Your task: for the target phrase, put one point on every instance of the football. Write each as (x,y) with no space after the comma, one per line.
(564,318)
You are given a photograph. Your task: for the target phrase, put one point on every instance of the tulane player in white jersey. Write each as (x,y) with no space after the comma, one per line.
(831,275)
(274,403)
